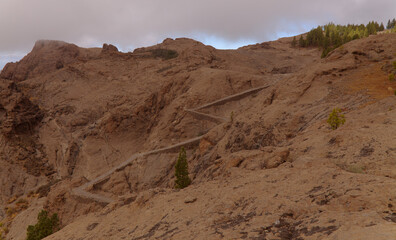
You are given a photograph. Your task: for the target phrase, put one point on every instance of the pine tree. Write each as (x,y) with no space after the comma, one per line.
(44,227)
(301,42)
(381,28)
(294,42)
(371,28)
(366,32)
(181,170)
(391,24)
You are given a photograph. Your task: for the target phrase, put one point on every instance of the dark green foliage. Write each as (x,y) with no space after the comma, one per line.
(181,170)
(331,36)
(336,118)
(301,42)
(372,28)
(44,227)
(294,42)
(326,51)
(164,53)
(382,28)
(315,37)
(391,24)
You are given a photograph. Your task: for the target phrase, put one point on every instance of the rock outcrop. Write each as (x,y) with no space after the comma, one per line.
(46,56)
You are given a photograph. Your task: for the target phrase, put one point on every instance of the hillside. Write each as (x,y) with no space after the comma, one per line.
(93,135)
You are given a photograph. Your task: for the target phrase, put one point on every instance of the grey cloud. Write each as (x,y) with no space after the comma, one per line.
(138,23)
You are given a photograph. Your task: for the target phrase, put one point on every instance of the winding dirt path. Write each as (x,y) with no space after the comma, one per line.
(82,191)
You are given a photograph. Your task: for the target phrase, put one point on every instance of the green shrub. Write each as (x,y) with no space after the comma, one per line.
(391,77)
(394,65)
(356,168)
(44,227)
(164,53)
(336,118)
(181,170)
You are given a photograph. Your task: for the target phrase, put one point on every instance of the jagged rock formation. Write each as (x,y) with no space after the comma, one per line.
(264,165)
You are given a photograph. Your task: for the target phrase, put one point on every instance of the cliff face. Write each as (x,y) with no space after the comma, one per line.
(79,126)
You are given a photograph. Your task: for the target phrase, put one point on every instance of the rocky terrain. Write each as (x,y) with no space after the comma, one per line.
(93,135)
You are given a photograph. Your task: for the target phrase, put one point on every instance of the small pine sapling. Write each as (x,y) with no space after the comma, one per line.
(336,119)
(181,170)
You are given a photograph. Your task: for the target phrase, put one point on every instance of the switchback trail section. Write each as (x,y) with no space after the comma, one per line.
(82,191)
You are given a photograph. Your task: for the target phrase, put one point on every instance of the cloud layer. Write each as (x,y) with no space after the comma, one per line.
(133,23)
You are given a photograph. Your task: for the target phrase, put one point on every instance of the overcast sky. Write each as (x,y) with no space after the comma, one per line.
(132,23)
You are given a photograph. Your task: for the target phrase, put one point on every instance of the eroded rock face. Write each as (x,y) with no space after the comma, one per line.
(24,166)
(19,121)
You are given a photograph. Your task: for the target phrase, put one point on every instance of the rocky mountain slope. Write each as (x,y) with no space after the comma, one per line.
(79,126)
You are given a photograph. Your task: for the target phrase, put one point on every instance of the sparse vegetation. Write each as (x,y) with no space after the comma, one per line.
(11,211)
(22,201)
(336,119)
(165,54)
(232,116)
(44,227)
(3,231)
(391,77)
(352,168)
(356,168)
(181,170)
